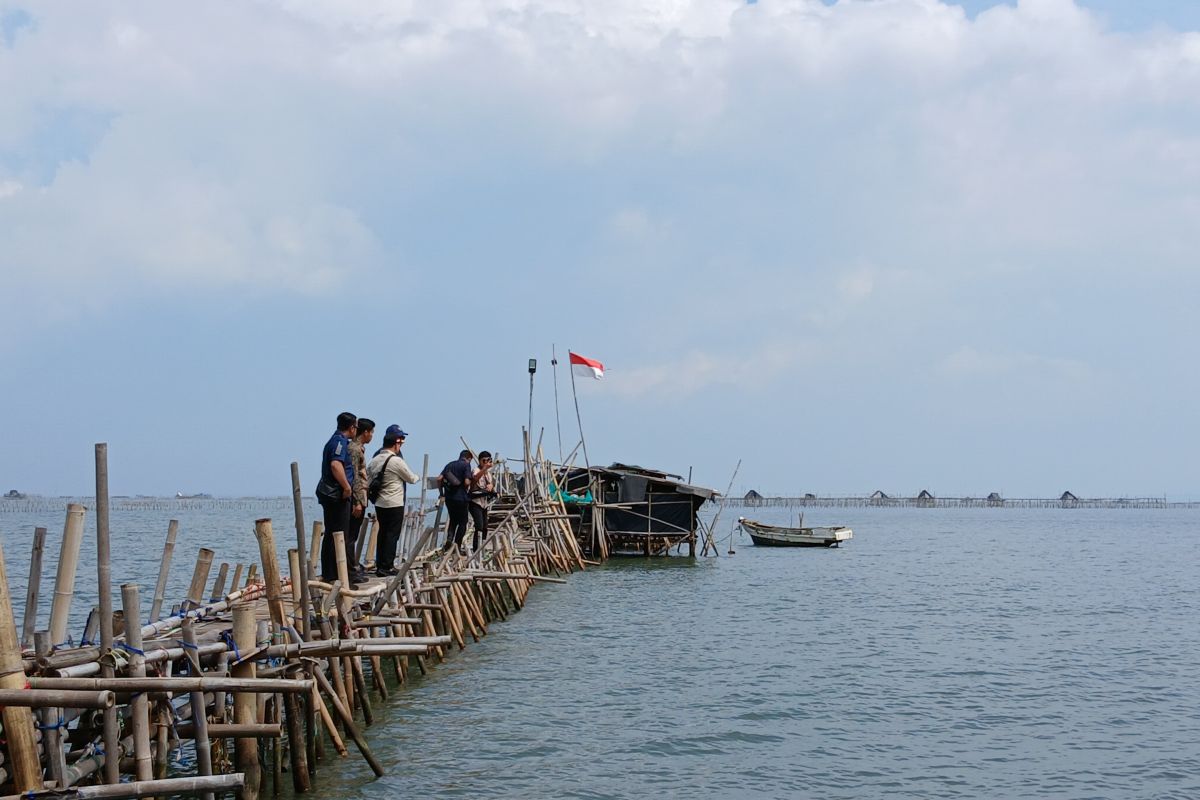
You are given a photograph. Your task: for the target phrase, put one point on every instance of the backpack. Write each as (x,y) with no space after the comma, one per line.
(376,487)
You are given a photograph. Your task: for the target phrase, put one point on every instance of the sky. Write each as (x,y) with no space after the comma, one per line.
(870,244)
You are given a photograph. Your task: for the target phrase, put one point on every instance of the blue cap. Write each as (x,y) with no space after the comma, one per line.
(394,430)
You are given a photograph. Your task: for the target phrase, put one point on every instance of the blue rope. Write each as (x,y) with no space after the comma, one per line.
(182,643)
(228,639)
(62,723)
(128,649)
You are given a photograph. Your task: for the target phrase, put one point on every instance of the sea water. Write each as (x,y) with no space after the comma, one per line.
(984,653)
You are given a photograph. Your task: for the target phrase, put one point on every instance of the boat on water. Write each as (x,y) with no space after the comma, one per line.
(765,535)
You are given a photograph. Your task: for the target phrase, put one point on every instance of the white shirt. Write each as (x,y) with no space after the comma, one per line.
(398,474)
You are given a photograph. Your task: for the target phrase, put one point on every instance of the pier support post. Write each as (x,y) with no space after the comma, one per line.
(164,568)
(139,704)
(245,703)
(297,748)
(64,582)
(195,595)
(34,587)
(18,721)
(112,717)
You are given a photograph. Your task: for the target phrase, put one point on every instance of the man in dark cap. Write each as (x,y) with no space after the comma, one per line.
(389,504)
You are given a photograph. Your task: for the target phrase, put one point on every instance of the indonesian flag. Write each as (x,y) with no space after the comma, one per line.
(586,367)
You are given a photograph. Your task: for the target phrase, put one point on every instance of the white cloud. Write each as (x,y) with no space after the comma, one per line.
(967,362)
(898,132)
(694,371)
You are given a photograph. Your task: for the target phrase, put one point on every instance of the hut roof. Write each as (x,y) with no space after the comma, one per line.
(1068,496)
(878,495)
(753,495)
(924,495)
(994,496)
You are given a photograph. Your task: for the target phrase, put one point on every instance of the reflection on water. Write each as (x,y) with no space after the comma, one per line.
(985,653)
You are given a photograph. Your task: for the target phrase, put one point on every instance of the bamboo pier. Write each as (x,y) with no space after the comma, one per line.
(270,675)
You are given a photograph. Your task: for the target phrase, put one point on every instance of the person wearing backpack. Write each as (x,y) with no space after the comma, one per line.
(387,479)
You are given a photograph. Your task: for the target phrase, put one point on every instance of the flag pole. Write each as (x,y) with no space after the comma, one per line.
(578,418)
(557,421)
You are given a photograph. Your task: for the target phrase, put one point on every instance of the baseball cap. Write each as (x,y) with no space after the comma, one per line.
(394,430)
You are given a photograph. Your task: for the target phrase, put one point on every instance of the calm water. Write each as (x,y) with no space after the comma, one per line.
(941,653)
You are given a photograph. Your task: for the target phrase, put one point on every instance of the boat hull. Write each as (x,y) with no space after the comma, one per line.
(775,536)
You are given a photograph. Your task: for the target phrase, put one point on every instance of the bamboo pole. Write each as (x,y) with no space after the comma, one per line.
(164,569)
(51,714)
(112,729)
(327,721)
(218,589)
(18,720)
(64,583)
(237,683)
(314,550)
(347,721)
(244,703)
(164,788)
(302,555)
(371,542)
(237,577)
(195,595)
(139,706)
(199,711)
(270,562)
(34,587)
(301,606)
(259,730)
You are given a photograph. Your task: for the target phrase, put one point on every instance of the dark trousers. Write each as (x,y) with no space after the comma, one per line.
(355,530)
(458,513)
(337,518)
(479,516)
(391,524)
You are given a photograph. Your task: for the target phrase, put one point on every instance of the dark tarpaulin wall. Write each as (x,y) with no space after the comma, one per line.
(670,512)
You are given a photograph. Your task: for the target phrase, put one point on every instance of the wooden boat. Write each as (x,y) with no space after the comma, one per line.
(779,536)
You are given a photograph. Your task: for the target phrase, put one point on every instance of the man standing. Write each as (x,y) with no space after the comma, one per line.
(455,480)
(482,492)
(335,490)
(358,503)
(389,505)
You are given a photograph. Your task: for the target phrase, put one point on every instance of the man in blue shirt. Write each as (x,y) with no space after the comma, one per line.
(454,481)
(335,492)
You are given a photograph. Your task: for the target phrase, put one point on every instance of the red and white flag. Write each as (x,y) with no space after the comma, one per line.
(586,367)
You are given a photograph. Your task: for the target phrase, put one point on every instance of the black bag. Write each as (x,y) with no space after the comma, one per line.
(329,491)
(376,487)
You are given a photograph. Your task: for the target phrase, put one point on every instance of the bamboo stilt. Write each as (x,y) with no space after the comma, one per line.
(112,731)
(195,595)
(18,721)
(64,583)
(164,569)
(199,711)
(218,589)
(244,703)
(139,706)
(267,553)
(33,588)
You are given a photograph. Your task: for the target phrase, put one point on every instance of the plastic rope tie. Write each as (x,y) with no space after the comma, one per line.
(227,637)
(130,649)
(62,723)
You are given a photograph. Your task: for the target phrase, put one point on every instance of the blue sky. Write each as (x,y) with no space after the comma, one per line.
(891,245)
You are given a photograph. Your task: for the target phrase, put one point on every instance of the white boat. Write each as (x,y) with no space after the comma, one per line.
(765,535)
